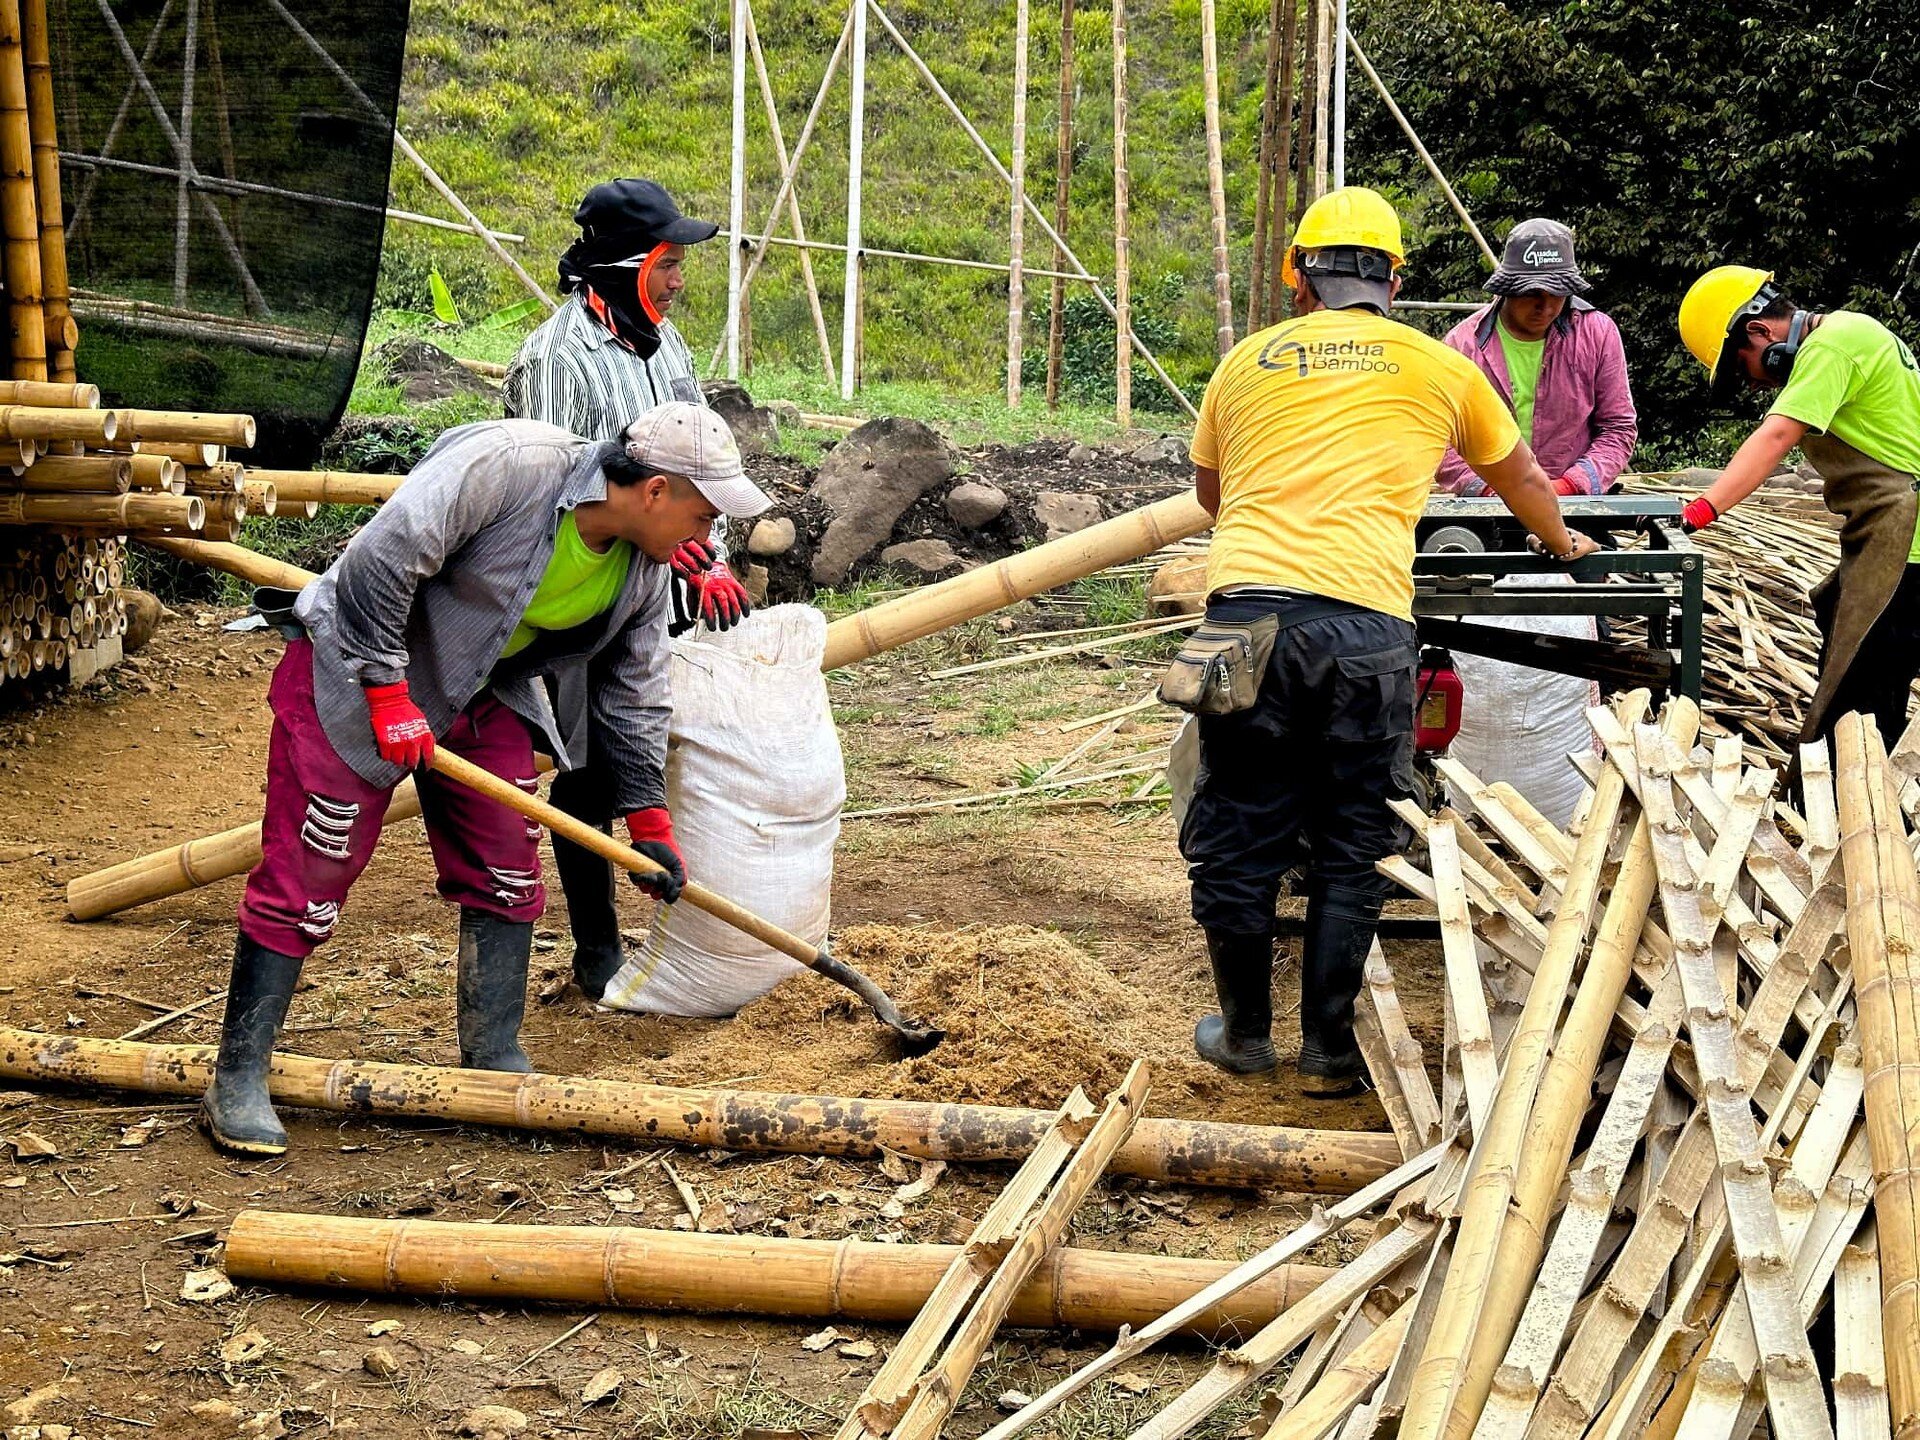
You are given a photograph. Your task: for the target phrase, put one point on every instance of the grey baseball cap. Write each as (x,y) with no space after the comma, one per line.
(1539,257)
(682,438)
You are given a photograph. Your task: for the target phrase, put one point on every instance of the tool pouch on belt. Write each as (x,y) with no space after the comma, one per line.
(1219,668)
(275,605)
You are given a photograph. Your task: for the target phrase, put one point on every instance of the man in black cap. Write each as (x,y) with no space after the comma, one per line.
(1556,361)
(606,357)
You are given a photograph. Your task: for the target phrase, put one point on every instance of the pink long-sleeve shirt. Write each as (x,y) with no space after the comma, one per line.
(1584,423)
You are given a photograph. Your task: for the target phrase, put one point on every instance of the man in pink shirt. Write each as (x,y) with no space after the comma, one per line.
(1556,361)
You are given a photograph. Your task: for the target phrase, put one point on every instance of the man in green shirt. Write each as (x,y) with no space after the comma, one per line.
(1849,397)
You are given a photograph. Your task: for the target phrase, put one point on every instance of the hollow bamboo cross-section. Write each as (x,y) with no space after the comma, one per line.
(1883,926)
(722,1274)
(19,211)
(1194,1152)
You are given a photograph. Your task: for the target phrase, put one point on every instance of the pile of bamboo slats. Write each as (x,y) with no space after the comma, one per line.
(1665,1184)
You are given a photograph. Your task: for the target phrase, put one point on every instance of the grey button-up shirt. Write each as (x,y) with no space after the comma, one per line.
(431,589)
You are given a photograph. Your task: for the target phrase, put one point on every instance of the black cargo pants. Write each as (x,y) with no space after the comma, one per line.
(1306,775)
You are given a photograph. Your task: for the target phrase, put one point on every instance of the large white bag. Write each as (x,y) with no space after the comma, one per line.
(1518,725)
(755,784)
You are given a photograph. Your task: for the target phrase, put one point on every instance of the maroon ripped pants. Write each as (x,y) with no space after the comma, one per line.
(322,820)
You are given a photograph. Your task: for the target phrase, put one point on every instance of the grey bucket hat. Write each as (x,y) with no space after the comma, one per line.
(1539,257)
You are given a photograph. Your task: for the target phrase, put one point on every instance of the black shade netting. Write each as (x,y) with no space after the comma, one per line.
(258,300)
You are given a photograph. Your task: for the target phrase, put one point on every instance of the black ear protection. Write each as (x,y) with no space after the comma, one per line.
(1777,359)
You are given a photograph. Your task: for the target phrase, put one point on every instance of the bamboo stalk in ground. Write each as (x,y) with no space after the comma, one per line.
(1482,1299)
(1883,928)
(1062,194)
(1216,180)
(1122,272)
(60,329)
(668,1270)
(19,211)
(1327,1162)
(119,512)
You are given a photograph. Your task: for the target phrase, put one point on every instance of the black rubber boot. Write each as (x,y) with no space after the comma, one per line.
(1340,928)
(237,1111)
(1240,1038)
(493,991)
(587,884)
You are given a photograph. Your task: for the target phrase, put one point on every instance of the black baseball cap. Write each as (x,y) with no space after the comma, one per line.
(640,212)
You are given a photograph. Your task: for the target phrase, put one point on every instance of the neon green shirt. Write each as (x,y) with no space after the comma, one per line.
(1856,380)
(1523,374)
(579,584)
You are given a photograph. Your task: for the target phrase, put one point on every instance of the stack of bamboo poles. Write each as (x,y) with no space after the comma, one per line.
(60,599)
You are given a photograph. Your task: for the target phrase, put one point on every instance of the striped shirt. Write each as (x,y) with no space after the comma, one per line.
(570,372)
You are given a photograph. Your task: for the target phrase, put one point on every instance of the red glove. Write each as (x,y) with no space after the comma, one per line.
(1698,515)
(723,599)
(1567,485)
(399,729)
(651,832)
(692,560)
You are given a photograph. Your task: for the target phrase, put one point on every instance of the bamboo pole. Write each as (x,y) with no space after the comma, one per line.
(1263,174)
(19,214)
(851,307)
(121,512)
(1016,220)
(157,472)
(49,395)
(1192,1152)
(182,426)
(183,208)
(60,329)
(1216,179)
(95,474)
(621,1267)
(737,182)
(1883,928)
(186,452)
(329,487)
(1322,91)
(1062,194)
(1122,273)
(1304,190)
(32,422)
(1285,181)
(788,181)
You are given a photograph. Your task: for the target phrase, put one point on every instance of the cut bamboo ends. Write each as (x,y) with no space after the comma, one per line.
(640,1269)
(1195,1152)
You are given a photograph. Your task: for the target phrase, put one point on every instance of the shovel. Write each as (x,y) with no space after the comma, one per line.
(915,1038)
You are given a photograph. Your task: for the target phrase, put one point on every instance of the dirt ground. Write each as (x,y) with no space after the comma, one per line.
(100,1237)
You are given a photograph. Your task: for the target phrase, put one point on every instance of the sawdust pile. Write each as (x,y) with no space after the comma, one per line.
(1028,1016)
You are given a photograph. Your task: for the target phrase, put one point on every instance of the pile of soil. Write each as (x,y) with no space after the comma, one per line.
(1028,1016)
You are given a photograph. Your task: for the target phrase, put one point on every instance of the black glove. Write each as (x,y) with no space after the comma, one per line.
(651,832)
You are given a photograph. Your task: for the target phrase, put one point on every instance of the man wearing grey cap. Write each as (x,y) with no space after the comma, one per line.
(515,555)
(1556,361)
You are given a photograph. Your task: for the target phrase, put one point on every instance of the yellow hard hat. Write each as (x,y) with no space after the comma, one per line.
(1714,306)
(1351,215)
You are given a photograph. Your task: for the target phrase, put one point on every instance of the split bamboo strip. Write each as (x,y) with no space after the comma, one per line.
(887,1395)
(99,474)
(1327,1162)
(217,429)
(105,891)
(1860,1360)
(753,1274)
(1482,1298)
(47,422)
(1883,926)
(1379,1006)
(330,487)
(54,285)
(1319,1226)
(49,396)
(19,212)
(119,512)
(1794,1394)
(938,1390)
(1479,1066)
(1347,1384)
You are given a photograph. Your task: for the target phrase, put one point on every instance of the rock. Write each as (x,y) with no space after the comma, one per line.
(426,372)
(857,1350)
(204,1287)
(218,1412)
(30,1145)
(1078,454)
(1013,1400)
(820,1339)
(381,1363)
(773,536)
(1167,450)
(29,1405)
(1179,587)
(929,557)
(754,428)
(267,1425)
(244,1348)
(56,1432)
(144,613)
(757,580)
(464,1346)
(867,482)
(972,504)
(603,1386)
(1060,513)
(488,1421)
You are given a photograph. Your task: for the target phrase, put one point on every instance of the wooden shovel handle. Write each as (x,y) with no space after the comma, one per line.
(625,856)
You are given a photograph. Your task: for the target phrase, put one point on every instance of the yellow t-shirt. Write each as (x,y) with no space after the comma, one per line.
(1327,431)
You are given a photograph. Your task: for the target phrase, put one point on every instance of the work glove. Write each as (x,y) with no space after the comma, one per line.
(400,731)
(651,831)
(723,599)
(691,561)
(1698,515)
(1567,485)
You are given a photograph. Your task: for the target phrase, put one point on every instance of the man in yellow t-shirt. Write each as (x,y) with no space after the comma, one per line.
(1850,399)
(1316,448)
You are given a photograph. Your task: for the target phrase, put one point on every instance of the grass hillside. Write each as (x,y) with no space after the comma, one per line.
(523,107)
